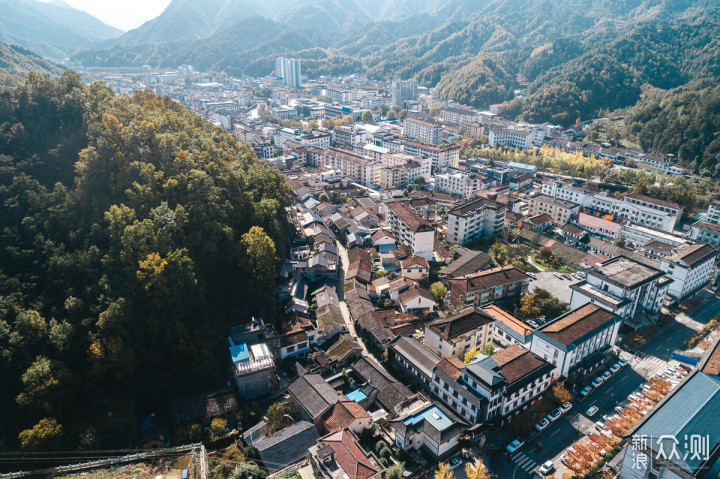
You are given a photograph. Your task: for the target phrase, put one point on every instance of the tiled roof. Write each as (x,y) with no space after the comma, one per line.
(408,216)
(659,245)
(342,415)
(572,230)
(508,320)
(517,362)
(594,222)
(648,199)
(452,367)
(466,320)
(287,445)
(540,219)
(489,279)
(706,225)
(574,325)
(414,260)
(414,292)
(314,394)
(349,456)
(693,254)
(381,233)
(416,353)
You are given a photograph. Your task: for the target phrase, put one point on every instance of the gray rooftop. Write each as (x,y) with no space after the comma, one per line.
(625,272)
(416,353)
(287,445)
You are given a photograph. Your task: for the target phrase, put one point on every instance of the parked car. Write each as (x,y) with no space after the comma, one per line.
(606,375)
(515,445)
(542,424)
(555,414)
(533,323)
(566,407)
(597,381)
(532,275)
(600,425)
(592,410)
(615,368)
(454,462)
(546,468)
(585,391)
(558,275)
(622,362)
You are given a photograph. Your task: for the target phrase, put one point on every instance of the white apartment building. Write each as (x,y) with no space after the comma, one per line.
(713,213)
(690,269)
(559,210)
(622,286)
(566,191)
(575,336)
(706,232)
(442,156)
(515,138)
(411,229)
(640,212)
(458,116)
(403,90)
(462,184)
(422,130)
(475,219)
(455,335)
(636,235)
(357,167)
(662,165)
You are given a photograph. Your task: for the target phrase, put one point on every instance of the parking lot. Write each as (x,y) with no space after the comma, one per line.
(559,288)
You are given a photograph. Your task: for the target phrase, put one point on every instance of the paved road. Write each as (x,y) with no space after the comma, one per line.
(574,424)
(345,261)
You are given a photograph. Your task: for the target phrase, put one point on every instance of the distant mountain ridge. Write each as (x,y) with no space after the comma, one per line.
(53,30)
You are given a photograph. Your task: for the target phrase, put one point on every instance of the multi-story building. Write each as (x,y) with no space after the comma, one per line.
(599,227)
(706,232)
(430,428)
(401,169)
(501,174)
(491,286)
(422,130)
(403,90)
(442,156)
(349,135)
(566,342)
(459,116)
(566,191)
(284,112)
(475,219)
(462,184)
(690,269)
(643,210)
(559,210)
(359,168)
(447,386)
(253,369)
(662,165)
(515,138)
(508,380)
(411,229)
(455,335)
(713,213)
(414,359)
(636,235)
(622,286)
(290,70)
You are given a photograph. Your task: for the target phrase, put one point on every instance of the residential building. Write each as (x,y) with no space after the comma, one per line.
(521,182)
(462,184)
(475,219)
(659,164)
(565,190)
(713,213)
(444,156)
(422,130)
(460,116)
(636,235)
(447,386)
(403,90)
(515,138)
(290,70)
(357,167)
(624,287)
(577,339)
(508,380)
(416,298)
(491,286)
(560,210)
(349,135)
(640,209)
(338,456)
(286,446)
(253,369)
(470,262)
(431,427)
(599,227)
(399,176)
(390,392)
(507,329)
(414,267)
(345,415)
(414,359)
(539,223)
(706,232)
(410,229)
(313,397)
(500,174)
(455,335)
(690,269)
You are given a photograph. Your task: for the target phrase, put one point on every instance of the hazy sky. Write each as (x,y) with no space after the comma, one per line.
(122,14)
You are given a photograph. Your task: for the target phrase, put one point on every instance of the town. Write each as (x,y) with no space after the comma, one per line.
(440,305)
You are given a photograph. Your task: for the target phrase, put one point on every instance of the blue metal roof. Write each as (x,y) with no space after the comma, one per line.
(434,416)
(357,395)
(692,410)
(240,353)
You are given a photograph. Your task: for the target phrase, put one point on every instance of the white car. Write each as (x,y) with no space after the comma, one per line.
(600,425)
(585,391)
(454,462)
(558,275)
(566,407)
(555,414)
(615,368)
(532,275)
(597,382)
(592,410)
(533,324)
(622,362)
(606,375)
(546,468)
(542,424)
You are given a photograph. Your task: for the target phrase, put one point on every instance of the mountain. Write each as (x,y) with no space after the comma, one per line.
(53,30)
(16,62)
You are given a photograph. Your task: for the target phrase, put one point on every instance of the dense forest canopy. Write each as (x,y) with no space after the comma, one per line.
(133,235)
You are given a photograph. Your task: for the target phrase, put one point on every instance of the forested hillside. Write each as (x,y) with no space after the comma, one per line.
(16,62)
(133,235)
